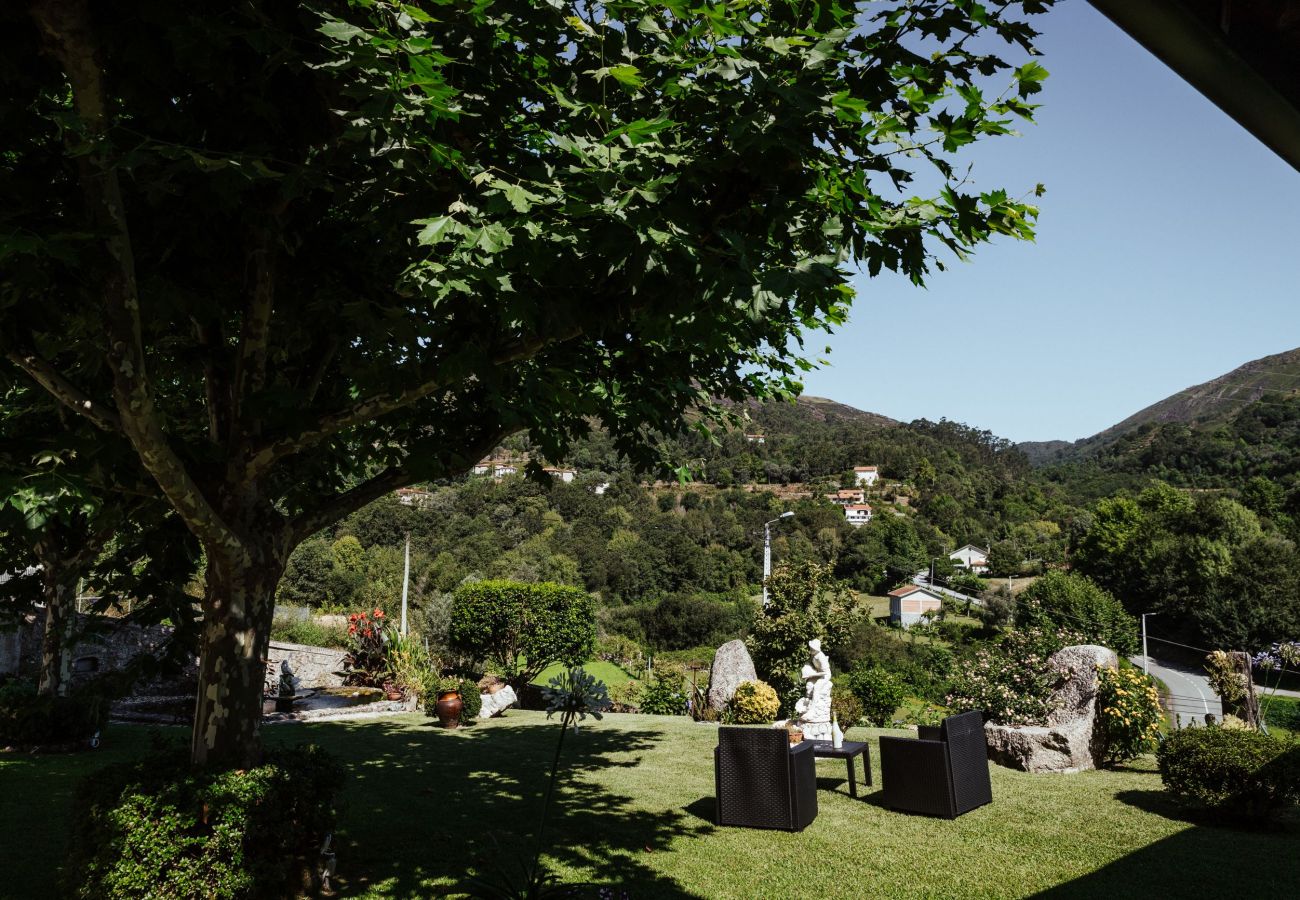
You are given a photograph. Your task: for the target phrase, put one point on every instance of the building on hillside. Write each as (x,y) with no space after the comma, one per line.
(857,514)
(847,496)
(482,467)
(565,475)
(601,488)
(908,603)
(756,439)
(867,475)
(976,559)
(501,470)
(416,497)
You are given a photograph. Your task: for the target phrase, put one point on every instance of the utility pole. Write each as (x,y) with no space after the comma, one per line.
(767,551)
(1145,657)
(406,581)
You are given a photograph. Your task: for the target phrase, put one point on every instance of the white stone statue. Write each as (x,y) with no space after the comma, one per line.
(813,710)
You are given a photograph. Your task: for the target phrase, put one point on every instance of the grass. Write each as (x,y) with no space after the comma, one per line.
(1282,714)
(607,672)
(423,807)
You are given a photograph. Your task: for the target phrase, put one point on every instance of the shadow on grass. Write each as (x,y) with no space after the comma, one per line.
(423,804)
(1210,859)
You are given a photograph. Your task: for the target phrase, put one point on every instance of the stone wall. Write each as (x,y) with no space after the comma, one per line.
(314,666)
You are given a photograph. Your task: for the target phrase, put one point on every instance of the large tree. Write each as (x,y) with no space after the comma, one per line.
(299,255)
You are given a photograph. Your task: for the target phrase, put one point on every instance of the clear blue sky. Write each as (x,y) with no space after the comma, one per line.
(1168,253)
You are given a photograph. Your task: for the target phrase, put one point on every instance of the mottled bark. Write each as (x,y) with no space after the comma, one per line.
(60,588)
(238,608)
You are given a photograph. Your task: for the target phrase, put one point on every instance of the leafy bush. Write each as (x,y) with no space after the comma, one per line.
(1068,600)
(523,628)
(626,697)
(847,708)
(663,694)
(157,828)
(621,651)
(296,625)
(879,691)
(29,719)
(367,660)
(1011,681)
(1238,773)
(1128,713)
(408,662)
(471,700)
(753,703)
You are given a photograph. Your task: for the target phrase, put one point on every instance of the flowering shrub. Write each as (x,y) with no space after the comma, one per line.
(753,703)
(367,661)
(663,694)
(1226,677)
(1011,681)
(1281,656)
(1128,714)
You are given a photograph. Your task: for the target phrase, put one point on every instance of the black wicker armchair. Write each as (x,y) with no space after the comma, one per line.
(763,782)
(942,772)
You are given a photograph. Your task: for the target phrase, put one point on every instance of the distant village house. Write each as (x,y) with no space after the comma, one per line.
(565,475)
(756,439)
(909,603)
(416,497)
(975,559)
(867,475)
(847,496)
(857,514)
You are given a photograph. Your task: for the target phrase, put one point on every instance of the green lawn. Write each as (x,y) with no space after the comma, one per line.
(423,807)
(607,672)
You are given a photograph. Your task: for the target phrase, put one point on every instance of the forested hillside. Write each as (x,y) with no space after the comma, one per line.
(676,564)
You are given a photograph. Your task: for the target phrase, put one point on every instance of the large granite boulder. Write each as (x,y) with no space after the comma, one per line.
(731,666)
(1067,743)
(495,702)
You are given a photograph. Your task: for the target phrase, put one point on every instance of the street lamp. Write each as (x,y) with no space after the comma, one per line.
(1145,658)
(767,550)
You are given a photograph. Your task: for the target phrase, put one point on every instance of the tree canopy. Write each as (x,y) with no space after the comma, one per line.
(299,255)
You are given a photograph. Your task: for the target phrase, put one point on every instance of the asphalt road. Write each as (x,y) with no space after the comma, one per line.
(1191,694)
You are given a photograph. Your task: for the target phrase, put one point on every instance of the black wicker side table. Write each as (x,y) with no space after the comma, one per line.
(849,751)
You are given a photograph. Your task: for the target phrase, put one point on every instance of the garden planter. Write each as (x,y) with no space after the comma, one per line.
(448,709)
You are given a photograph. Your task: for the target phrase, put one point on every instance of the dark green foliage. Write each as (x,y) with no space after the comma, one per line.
(471,700)
(879,691)
(28,719)
(664,694)
(847,708)
(924,668)
(679,623)
(158,828)
(805,602)
(523,628)
(1236,772)
(1075,602)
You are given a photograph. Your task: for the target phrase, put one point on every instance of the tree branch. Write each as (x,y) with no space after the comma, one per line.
(313,520)
(68,30)
(380,405)
(63,390)
(250,363)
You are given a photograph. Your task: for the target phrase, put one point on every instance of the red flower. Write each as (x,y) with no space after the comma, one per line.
(379,613)
(352,629)
(366,633)
(352,618)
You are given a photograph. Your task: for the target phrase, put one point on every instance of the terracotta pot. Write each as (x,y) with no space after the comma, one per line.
(448,709)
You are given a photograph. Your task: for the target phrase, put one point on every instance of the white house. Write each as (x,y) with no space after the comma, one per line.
(565,475)
(601,488)
(756,439)
(976,559)
(416,497)
(501,470)
(482,467)
(908,603)
(867,475)
(847,496)
(857,514)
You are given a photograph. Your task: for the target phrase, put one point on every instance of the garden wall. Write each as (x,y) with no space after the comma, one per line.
(314,666)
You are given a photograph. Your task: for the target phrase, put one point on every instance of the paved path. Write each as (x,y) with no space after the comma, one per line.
(1192,697)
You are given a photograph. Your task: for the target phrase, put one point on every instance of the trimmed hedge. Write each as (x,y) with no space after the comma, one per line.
(523,628)
(1237,772)
(158,828)
(28,719)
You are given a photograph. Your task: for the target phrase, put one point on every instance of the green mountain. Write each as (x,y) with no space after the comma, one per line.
(1202,407)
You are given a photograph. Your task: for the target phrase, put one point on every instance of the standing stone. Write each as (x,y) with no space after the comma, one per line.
(1068,742)
(496,702)
(731,666)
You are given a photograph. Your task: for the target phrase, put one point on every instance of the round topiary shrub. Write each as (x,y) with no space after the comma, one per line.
(158,828)
(471,700)
(753,703)
(1238,773)
(879,691)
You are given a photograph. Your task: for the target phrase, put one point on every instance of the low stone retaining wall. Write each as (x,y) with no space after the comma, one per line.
(314,666)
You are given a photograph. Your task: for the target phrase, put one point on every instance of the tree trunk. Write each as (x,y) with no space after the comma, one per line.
(237,612)
(60,590)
